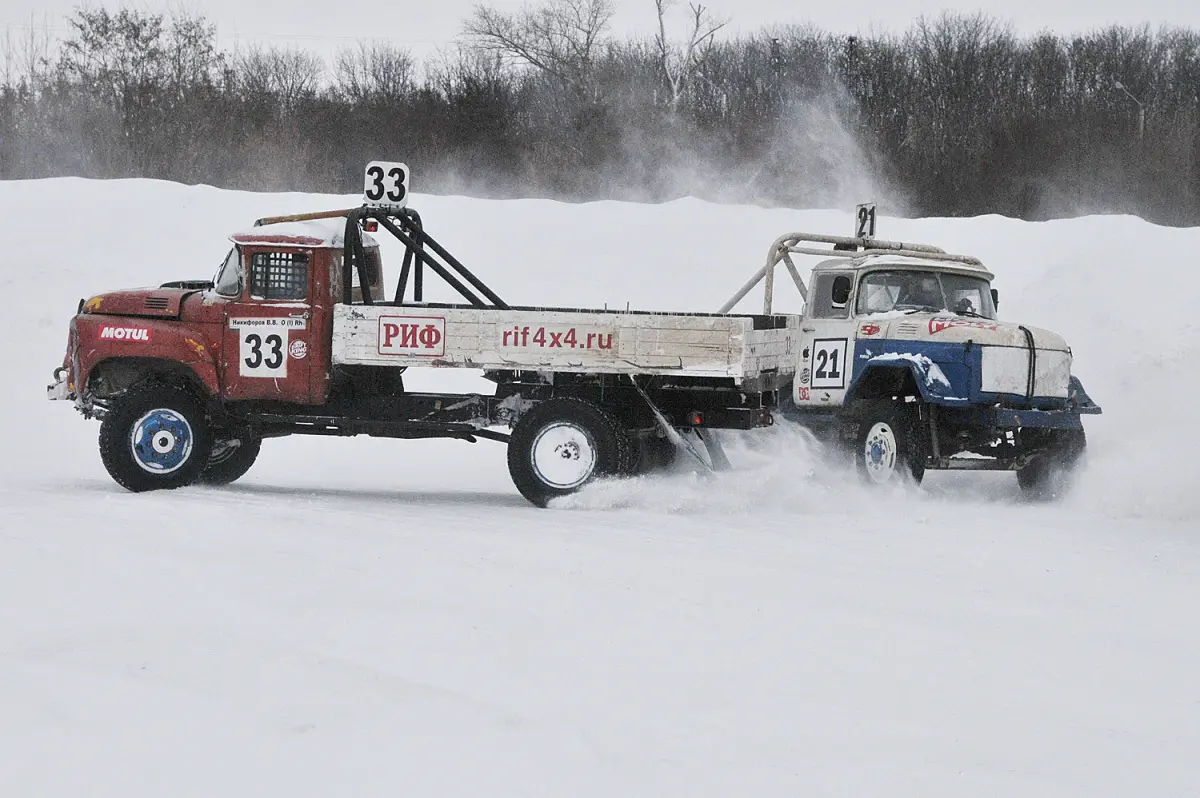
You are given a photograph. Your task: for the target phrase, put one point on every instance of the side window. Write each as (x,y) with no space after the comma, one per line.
(374,268)
(279,275)
(830,296)
(229,278)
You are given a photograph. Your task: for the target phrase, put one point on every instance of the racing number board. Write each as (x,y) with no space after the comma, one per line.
(864,221)
(829,363)
(385,185)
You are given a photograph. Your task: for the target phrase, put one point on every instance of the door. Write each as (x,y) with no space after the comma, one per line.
(268,328)
(826,342)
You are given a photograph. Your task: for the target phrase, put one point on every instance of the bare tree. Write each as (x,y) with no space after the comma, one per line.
(191,53)
(286,76)
(27,58)
(681,62)
(374,71)
(559,38)
(117,56)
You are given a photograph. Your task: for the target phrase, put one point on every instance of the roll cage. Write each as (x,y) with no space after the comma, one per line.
(842,246)
(421,250)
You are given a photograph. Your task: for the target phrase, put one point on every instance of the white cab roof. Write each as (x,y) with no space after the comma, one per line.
(328,233)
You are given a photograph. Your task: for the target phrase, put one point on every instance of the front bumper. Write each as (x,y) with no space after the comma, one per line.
(60,391)
(1007,418)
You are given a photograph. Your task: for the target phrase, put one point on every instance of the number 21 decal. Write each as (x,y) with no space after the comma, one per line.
(829,363)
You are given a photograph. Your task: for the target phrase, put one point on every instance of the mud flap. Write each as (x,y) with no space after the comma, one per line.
(716,452)
(673,434)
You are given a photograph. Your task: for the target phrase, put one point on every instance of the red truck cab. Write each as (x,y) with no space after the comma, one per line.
(259,331)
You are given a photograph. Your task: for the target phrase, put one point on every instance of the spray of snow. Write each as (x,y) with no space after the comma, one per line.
(783,469)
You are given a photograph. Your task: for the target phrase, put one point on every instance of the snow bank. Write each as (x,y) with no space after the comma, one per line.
(362,617)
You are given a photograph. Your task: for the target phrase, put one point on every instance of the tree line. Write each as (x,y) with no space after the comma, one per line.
(956,116)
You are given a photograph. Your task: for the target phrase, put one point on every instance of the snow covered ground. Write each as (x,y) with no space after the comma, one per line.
(368,617)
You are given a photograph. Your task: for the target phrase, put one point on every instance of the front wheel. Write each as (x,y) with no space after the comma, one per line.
(155,437)
(561,445)
(887,451)
(1048,476)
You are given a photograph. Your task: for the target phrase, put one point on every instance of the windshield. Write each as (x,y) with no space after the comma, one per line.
(935,292)
(229,277)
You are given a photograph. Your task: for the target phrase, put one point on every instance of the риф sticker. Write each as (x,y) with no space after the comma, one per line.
(412,335)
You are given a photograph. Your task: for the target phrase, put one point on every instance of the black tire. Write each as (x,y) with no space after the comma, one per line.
(590,442)
(1048,476)
(887,449)
(652,453)
(155,437)
(230,460)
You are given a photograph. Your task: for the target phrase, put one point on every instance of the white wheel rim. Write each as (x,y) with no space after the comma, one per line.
(879,452)
(563,455)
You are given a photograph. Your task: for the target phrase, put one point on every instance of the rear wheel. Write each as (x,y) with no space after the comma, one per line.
(1048,476)
(154,437)
(230,459)
(652,453)
(563,444)
(887,450)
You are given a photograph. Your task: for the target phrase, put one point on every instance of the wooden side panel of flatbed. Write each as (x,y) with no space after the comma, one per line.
(575,341)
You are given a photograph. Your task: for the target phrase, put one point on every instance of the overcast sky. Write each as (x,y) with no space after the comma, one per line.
(424,26)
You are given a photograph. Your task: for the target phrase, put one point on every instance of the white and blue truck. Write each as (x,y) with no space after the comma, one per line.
(904,362)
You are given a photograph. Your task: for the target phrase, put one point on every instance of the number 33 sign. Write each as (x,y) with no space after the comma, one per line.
(385,185)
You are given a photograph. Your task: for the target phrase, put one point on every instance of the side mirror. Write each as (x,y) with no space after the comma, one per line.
(841,291)
(995,298)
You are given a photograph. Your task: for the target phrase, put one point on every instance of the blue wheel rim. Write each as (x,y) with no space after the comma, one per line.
(161,441)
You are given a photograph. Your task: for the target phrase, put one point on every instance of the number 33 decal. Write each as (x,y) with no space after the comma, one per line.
(264,355)
(386,184)
(272,361)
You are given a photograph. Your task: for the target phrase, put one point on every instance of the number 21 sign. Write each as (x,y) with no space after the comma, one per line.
(864,221)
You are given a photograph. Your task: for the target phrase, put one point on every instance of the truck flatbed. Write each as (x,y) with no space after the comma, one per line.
(754,352)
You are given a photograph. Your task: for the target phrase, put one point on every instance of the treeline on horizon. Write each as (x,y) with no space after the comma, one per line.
(957,116)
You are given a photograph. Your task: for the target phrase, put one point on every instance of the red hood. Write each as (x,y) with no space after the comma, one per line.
(146,302)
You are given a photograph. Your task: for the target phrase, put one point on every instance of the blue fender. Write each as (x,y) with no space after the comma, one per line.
(941,381)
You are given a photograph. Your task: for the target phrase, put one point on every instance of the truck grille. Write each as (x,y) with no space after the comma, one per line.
(907,330)
(157,303)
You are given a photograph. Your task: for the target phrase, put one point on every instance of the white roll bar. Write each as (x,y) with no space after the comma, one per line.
(842,246)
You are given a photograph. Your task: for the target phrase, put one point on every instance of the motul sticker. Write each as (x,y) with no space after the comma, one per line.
(140,335)
(423,336)
(937,325)
(869,329)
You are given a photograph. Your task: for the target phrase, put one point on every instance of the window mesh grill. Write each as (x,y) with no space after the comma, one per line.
(279,275)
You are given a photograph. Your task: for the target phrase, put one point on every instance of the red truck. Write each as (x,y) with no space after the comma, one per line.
(294,335)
